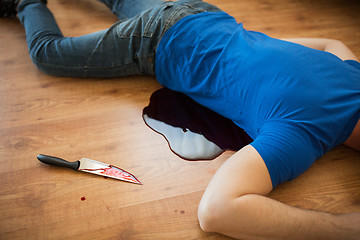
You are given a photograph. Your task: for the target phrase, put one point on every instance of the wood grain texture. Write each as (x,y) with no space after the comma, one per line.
(101,119)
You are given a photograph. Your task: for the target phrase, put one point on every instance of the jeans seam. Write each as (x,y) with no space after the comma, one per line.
(148,26)
(169,21)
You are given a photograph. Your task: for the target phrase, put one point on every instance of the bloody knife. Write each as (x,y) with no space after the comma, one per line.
(91,166)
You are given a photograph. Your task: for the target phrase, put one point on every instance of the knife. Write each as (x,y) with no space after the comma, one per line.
(91,166)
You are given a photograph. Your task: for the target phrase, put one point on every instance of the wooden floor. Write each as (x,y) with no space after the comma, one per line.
(101,119)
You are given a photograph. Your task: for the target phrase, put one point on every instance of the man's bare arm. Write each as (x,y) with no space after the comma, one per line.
(333,46)
(234,205)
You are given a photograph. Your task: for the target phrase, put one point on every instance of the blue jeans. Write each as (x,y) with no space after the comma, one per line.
(126,48)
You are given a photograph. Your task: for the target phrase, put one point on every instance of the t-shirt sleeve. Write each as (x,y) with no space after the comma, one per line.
(287,149)
(354,63)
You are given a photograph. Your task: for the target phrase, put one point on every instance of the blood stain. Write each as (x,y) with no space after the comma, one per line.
(169,110)
(83,199)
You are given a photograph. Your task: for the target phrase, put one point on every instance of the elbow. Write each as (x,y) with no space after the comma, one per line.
(230,216)
(214,214)
(209,216)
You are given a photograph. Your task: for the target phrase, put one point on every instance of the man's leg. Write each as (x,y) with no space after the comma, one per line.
(119,51)
(127,48)
(125,9)
(234,204)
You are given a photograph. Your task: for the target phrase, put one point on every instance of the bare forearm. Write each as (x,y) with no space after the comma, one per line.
(335,47)
(234,204)
(265,218)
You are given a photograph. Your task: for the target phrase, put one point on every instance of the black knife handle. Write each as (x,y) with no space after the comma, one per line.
(58,162)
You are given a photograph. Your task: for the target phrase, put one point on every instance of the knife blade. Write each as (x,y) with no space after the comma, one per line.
(91,166)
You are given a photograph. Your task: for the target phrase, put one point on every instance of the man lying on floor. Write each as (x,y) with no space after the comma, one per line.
(297,99)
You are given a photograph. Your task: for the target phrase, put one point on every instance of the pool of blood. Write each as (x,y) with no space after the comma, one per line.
(178,110)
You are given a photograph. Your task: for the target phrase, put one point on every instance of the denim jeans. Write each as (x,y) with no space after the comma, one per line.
(126,48)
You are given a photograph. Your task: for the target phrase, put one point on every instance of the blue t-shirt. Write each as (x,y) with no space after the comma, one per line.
(295,102)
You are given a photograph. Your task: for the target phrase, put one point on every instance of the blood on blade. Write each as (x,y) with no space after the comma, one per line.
(113,171)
